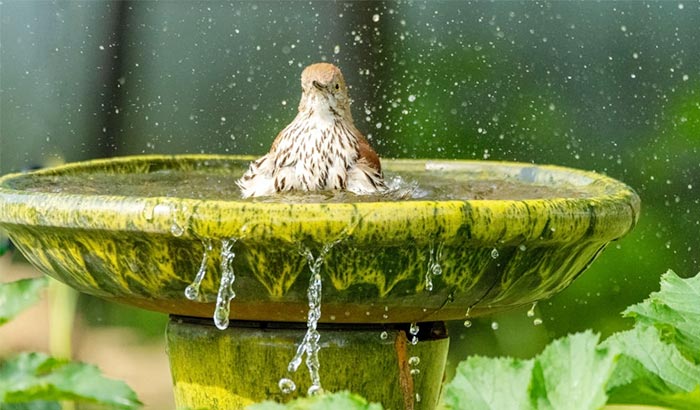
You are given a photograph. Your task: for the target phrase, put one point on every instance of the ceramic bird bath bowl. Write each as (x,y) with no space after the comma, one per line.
(451,239)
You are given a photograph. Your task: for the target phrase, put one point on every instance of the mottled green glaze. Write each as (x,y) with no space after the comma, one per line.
(123,247)
(231,369)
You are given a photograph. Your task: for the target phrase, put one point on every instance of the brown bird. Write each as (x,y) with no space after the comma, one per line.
(321,149)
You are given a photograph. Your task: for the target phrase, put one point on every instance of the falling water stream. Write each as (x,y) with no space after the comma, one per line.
(226,293)
(192,291)
(309,344)
(228,276)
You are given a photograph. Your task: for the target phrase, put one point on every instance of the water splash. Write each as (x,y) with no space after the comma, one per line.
(434,267)
(226,293)
(309,345)
(192,291)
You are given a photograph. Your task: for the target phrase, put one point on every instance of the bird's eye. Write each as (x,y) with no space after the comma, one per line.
(337,86)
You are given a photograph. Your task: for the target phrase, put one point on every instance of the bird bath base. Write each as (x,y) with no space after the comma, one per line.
(244,364)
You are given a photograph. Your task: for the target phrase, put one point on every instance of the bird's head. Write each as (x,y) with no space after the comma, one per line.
(324,90)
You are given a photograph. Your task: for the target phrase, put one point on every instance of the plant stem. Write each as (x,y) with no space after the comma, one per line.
(62,303)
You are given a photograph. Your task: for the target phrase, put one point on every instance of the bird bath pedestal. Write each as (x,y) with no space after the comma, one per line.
(459,239)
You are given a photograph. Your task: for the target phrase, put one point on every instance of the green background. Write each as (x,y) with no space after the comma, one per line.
(612,87)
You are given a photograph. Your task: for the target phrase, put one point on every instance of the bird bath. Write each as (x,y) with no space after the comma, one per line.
(455,239)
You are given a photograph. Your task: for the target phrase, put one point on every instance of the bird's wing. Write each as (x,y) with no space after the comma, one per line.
(366,153)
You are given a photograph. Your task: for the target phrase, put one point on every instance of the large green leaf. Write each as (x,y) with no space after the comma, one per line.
(644,344)
(656,362)
(675,310)
(19,295)
(31,377)
(490,383)
(653,371)
(333,401)
(571,373)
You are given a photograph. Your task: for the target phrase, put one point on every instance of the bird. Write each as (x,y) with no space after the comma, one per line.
(321,149)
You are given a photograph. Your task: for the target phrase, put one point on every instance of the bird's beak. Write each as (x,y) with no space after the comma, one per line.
(318,85)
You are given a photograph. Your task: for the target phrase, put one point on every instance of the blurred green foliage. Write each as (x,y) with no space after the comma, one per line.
(606,86)
(37,381)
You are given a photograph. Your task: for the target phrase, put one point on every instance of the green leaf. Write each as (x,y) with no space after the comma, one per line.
(571,373)
(644,344)
(331,401)
(490,383)
(31,377)
(675,310)
(660,355)
(19,295)
(653,362)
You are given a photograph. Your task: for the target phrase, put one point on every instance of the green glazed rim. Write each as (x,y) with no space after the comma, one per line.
(493,254)
(616,205)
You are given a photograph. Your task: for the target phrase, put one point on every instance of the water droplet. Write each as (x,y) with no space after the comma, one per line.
(148,212)
(415,372)
(414,329)
(286,385)
(467,323)
(179,219)
(494,253)
(414,340)
(384,335)
(176,230)
(191,292)
(336,49)
(418,398)
(375,18)
(414,360)
(411,98)
(314,390)
(522,247)
(494,325)
(434,268)
(537,322)
(531,312)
